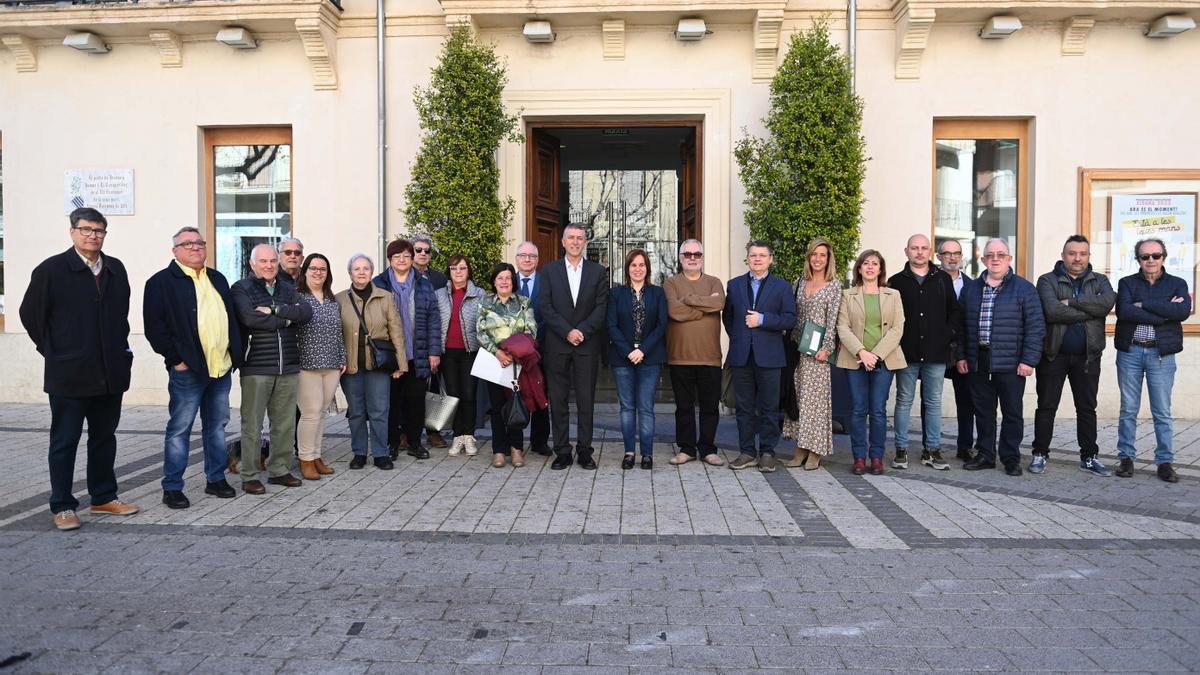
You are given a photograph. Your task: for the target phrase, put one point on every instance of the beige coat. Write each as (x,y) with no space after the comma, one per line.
(383,323)
(851,317)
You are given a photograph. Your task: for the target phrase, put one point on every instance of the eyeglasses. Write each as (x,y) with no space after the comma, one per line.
(291,251)
(527,255)
(92,232)
(460,268)
(950,253)
(420,250)
(318,270)
(191,245)
(1151,256)
(692,254)
(995,256)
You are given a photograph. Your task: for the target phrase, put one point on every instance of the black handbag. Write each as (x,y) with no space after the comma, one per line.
(383,352)
(514,413)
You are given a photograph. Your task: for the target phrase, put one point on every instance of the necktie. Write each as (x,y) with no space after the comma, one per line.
(524,287)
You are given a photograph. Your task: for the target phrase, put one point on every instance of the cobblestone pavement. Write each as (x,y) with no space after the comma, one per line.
(448,565)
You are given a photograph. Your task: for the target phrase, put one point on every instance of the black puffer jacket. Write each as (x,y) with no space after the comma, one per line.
(271,347)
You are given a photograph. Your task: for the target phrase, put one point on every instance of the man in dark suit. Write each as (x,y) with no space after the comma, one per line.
(76,311)
(190,320)
(528,283)
(759,308)
(573,302)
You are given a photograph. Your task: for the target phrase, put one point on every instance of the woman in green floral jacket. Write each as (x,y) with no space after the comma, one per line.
(501,315)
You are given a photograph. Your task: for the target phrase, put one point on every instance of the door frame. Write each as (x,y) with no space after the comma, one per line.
(259,135)
(606,122)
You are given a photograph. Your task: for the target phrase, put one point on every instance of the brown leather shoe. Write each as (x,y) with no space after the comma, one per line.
(67,520)
(116,507)
(498,460)
(254,487)
(286,480)
(322,468)
(813,462)
(308,469)
(436,440)
(518,457)
(797,460)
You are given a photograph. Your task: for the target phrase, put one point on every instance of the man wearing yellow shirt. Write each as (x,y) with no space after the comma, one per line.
(189,317)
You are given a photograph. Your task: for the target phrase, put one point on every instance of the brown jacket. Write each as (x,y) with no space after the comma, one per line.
(383,323)
(852,316)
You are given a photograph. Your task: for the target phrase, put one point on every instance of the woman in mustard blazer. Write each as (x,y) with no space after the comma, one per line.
(870,324)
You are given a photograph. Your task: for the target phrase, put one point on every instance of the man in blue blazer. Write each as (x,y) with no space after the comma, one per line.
(528,285)
(759,309)
(573,302)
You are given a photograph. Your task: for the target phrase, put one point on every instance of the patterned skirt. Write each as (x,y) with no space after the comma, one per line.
(814,398)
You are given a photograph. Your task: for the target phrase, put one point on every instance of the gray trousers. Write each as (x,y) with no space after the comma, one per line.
(274,395)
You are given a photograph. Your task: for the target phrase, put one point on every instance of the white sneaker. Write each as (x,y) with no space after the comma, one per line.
(455,447)
(469,446)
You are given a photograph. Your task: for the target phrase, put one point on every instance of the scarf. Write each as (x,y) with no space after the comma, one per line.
(403,294)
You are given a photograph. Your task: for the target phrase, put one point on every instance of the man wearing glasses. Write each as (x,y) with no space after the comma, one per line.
(694,304)
(950,254)
(1004,331)
(291,256)
(190,320)
(76,311)
(1151,307)
(528,283)
(422,254)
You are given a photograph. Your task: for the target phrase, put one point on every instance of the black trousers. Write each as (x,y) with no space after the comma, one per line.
(964,405)
(67,414)
(696,387)
(1084,376)
(564,371)
(1007,389)
(503,438)
(456,369)
(406,409)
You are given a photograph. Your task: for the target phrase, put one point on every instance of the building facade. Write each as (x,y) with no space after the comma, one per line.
(1076,122)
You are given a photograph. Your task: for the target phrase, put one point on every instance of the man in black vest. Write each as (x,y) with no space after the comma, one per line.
(573,301)
(76,311)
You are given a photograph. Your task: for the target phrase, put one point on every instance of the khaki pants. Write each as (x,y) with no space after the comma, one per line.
(274,395)
(317,388)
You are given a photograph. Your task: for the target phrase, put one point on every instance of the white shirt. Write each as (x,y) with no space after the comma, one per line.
(574,278)
(94,267)
(958,284)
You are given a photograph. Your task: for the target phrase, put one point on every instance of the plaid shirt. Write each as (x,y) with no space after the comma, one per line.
(1144,333)
(986,309)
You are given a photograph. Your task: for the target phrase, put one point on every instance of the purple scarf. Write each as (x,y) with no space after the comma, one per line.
(402,293)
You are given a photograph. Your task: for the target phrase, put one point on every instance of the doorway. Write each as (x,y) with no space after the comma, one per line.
(632,184)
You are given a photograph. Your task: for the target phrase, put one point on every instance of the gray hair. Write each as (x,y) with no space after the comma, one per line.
(998,240)
(421,238)
(289,240)
(529,244)
(759,243)
(1137,248)
(690,241)
(184,230)
(258,246)
(358,256)
(575,226)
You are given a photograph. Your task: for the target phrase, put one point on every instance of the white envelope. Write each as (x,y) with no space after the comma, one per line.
(487,367)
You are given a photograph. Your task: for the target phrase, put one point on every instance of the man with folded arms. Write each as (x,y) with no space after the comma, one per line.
(190,320)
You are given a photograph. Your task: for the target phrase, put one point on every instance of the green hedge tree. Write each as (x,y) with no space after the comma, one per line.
(454,192)
(804,180)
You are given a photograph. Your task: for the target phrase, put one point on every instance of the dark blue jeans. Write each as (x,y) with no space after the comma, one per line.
(191,393)
(1007,389)
(868,397)
(635,391)
(67,414)
(367,398)
(758,413)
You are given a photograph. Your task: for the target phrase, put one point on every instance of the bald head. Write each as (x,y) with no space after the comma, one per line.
(918,252)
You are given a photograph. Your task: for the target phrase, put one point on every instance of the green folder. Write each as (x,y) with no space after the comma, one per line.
(811,338)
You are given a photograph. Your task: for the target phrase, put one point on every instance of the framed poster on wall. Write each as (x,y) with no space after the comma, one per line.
(1119,207)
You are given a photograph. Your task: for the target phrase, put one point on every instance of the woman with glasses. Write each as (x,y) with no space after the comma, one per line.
(458,306)
(370,324)
(870,324)
(501,315)
(637,323)
(818,299)
(322,362)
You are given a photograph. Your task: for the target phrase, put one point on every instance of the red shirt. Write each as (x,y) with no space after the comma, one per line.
(454,334)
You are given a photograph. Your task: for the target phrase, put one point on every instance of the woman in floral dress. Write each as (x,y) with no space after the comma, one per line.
(818,296)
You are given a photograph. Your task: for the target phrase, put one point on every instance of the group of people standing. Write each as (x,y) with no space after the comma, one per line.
(393,336)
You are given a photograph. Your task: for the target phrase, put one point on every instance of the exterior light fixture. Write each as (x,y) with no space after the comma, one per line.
(538,32)
(691,30)
(86,42)
(1170,26)
(238,38)
(999,27)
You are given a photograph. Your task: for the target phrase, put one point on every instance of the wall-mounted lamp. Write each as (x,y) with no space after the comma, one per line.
(238,38)
(86,42)
(691,30)
(1170,26)
(538,32)
(999,27)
